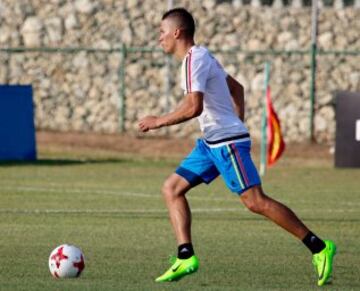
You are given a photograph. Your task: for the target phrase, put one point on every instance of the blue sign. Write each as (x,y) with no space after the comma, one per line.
(17,130)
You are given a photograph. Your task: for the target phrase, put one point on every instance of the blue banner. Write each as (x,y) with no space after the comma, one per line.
(17,130)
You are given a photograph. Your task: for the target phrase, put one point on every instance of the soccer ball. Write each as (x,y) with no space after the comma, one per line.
(66,261)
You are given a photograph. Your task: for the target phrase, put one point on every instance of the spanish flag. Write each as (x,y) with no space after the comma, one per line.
(275,141)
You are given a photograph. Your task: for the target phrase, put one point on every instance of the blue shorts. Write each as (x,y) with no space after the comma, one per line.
(232,161)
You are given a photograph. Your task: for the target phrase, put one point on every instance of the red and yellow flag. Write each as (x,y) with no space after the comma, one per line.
(275,141)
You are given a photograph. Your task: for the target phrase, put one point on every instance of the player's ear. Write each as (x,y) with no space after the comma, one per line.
(177,33)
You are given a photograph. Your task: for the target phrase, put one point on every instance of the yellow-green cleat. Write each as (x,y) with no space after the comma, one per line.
(179,269)
(323,262)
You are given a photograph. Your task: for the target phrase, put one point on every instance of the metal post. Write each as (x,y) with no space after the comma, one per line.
(263,149)
(314,28)
(122,96)
(168,78)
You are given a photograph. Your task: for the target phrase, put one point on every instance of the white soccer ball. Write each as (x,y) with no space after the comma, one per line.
(66,261)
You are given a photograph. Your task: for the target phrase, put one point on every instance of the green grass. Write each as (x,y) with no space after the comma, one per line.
(112,209)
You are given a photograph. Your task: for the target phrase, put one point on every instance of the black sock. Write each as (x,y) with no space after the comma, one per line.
(314,244)
(185,251)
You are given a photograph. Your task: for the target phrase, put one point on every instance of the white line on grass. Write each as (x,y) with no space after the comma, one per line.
(120,193)
(143,211)
(101,192)
(110,211)
(79,191)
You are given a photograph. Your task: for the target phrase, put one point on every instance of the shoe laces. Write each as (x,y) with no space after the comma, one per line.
(317,258)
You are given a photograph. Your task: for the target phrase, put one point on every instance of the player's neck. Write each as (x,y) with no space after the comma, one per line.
(183,48)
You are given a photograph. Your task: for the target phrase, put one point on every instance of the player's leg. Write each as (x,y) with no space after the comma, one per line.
(241,176)
(256,201)
(174,190)
(323,251)
(195,169)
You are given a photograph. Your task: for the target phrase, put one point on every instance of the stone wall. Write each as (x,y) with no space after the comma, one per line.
(80,90)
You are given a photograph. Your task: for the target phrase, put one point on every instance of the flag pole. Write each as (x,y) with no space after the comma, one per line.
(168,80)
(314,49)
(264,121)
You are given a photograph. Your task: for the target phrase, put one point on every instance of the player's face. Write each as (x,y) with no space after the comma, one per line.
(167,36)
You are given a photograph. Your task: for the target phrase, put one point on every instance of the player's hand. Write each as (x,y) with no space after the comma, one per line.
(148,122)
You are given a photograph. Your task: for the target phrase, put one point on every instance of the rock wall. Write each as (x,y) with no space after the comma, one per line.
(80,90)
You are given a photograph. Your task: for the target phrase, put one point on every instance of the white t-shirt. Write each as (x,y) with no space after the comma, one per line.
(201,72)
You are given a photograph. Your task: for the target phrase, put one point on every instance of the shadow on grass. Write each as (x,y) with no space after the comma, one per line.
(62,162)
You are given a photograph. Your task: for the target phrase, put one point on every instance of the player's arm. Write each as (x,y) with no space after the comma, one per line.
(237,94)
(191,107)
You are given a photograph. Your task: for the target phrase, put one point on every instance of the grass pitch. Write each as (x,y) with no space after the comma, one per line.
(111,208)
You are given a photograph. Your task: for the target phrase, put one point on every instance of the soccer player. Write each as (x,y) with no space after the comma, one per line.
(217,100)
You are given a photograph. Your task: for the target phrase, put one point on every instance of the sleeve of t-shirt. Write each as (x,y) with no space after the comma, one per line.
(221,68)
(197,71)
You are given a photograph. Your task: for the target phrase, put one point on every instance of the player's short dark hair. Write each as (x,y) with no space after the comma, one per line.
(184,18)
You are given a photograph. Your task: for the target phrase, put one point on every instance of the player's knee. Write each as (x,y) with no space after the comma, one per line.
(256,201)
(174,187)
(252,205)
(257,206)
(168,190)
